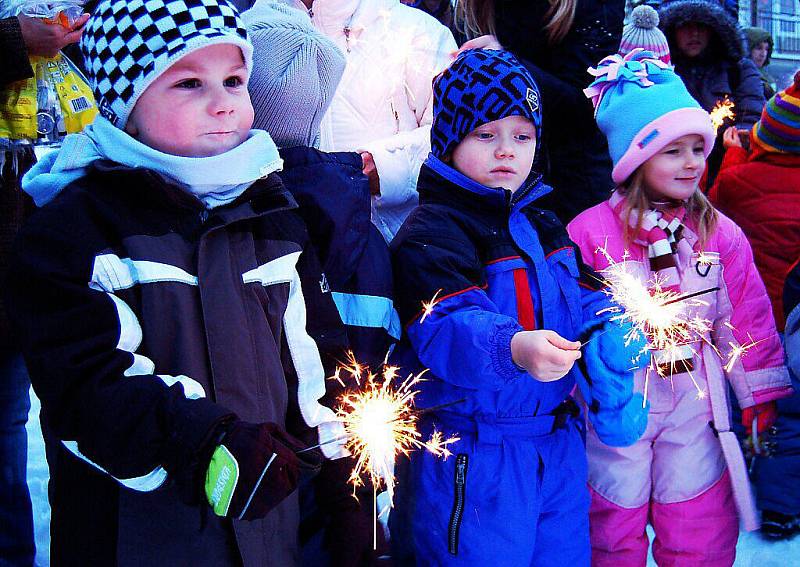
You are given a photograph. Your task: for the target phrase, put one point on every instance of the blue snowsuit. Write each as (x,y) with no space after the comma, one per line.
(514,491)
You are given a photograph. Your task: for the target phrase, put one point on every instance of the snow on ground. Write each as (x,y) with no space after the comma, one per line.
(752,550)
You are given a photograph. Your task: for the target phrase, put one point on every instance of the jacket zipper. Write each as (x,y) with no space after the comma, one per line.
(458,503)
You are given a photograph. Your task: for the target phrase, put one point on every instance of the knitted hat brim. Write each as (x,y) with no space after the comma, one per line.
(161,65)
(661,132)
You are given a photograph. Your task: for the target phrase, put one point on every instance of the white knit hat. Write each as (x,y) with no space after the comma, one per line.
(296,71)
(642,31)
(127,44)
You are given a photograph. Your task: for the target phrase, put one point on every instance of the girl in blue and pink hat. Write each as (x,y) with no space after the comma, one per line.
(686,474)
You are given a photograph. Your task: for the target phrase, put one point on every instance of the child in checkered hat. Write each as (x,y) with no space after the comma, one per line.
(160,296)
(686,475)
(500,340)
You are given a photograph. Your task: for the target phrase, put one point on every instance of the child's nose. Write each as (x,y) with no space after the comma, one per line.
(504,149)
(222,102)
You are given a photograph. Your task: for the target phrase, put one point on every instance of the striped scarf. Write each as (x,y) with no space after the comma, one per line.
(660,233)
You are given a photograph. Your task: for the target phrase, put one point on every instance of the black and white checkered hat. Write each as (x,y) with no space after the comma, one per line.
(127,44)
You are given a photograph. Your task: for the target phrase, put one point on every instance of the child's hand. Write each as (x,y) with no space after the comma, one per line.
(546,355)
(767,414)
(371,171)
(730,139)
(482,42)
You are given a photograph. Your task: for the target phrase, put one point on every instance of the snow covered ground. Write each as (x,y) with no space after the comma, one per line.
(752,550)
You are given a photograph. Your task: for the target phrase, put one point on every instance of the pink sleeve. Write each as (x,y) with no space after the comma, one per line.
(760,375)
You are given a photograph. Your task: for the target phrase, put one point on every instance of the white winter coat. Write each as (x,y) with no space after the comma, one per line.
(383,103)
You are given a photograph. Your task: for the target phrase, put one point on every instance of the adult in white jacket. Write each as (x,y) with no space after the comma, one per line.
(382,107)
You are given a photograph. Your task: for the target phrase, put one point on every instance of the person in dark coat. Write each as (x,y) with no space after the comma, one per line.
(171,307)
(708,51)
(777,476)
(577,165)
(296,71)
(20,37)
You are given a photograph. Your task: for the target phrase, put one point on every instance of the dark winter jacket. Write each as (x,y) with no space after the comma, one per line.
(334,200)
(778,476)
(496,265)
(146,320)
(724,68)
(579,167)
(14,64)
(14,204)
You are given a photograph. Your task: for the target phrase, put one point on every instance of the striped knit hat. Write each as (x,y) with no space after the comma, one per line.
(642,31)
(779,127)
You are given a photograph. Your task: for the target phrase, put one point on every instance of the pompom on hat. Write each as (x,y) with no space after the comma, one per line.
(641,105)
(643,32)
(480,86)
(778,130)
(128,44)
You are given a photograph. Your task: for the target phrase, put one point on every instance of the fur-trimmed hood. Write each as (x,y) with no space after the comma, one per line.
(727,38)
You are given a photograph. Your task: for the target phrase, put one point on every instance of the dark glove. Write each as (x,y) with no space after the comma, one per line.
(605,379)
(253,469)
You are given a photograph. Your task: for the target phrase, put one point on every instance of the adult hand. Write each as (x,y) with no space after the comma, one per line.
(482,42)
(371,171)
(47,40)
(730,138)
(546,355)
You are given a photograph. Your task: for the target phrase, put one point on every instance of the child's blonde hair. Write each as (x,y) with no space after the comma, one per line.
(476,17)
(699,209)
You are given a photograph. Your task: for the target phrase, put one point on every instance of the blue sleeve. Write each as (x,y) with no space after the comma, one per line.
(464,339)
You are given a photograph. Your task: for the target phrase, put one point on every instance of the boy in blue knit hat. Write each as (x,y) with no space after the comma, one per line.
(500,340)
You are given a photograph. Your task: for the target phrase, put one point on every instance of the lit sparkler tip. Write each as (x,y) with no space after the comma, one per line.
(722,110)
(427,306)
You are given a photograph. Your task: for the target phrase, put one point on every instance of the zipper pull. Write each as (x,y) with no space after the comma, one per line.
(203,216)
(346,31)
(461,470)
(396,117)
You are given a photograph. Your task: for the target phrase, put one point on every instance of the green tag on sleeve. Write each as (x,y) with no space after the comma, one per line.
(221,479)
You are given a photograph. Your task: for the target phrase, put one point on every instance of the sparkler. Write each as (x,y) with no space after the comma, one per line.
(661,315)
(722,111)
(380,424)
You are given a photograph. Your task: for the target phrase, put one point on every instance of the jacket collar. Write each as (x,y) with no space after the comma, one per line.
(145,185)
(440,182)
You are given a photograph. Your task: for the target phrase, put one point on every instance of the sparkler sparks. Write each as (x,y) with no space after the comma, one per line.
(427,306)
(737,352)
(660,315)
(722,110)
(380,424)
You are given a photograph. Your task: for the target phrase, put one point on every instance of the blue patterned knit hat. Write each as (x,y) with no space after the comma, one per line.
(480,86)
(641,105)
(127,44)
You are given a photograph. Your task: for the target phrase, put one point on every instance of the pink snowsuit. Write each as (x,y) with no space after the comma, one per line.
(686,474)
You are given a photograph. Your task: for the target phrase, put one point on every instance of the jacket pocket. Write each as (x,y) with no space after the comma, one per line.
(459,497)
